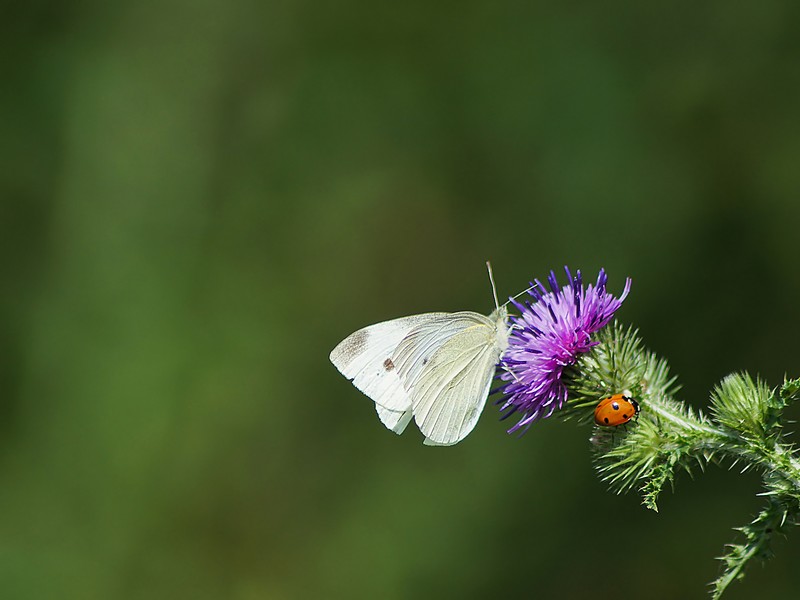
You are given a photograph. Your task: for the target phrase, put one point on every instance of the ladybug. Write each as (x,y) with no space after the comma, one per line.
(616,410)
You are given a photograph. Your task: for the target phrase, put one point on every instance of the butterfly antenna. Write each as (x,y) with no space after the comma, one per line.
(491,280)
(525,291)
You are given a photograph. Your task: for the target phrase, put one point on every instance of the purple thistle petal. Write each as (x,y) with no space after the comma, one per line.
(549,336)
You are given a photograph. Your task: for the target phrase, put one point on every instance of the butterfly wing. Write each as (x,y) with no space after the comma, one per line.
(396,420)
(365,357)
(446,365)
(447,410)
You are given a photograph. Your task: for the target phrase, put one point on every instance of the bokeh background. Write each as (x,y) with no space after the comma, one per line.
(200,199)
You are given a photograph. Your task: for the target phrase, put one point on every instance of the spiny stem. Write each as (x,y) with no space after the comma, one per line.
(675,417)
(742,425)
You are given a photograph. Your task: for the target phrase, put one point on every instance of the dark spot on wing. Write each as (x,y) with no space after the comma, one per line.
(615,405)
(424,361)
(388,364)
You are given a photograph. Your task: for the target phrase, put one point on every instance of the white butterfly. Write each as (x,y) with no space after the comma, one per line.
(434,367)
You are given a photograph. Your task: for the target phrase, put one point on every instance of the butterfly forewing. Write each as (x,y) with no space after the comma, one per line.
(365,357)
(415,350)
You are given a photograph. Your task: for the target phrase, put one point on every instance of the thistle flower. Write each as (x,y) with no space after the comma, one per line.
(546,338)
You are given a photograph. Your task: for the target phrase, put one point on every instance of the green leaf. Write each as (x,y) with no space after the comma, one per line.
(758,536)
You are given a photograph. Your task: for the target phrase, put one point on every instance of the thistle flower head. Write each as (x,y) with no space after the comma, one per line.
(547,337)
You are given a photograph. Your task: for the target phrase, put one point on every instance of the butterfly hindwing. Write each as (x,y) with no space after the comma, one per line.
(394,419)
(447,366)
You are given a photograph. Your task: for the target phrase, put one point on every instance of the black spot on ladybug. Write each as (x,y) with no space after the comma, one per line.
(624,416)
(388,364)
(605,420)
(615,405)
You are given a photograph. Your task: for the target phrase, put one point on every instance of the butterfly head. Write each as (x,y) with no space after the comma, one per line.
(500,319)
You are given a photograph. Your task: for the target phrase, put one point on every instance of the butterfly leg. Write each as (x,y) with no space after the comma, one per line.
(509,371)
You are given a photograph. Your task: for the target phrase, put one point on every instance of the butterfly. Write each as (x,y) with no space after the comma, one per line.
(436,368)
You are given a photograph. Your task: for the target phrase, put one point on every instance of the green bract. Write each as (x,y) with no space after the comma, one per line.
(744,428)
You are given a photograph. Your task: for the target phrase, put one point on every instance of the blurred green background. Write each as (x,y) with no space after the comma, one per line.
(200,199)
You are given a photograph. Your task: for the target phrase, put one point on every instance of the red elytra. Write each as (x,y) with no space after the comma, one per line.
(615,410)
